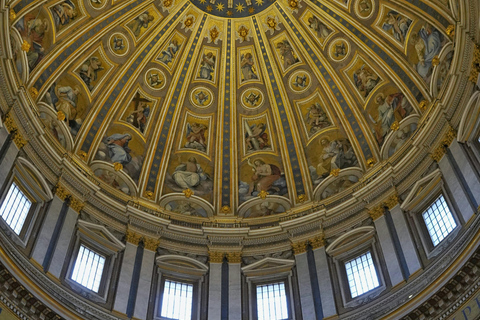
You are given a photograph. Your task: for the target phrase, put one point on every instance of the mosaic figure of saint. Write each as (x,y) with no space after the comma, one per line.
(168,54)
(207,66)
(247,66)
(63,13)
(142,21)
(397,24)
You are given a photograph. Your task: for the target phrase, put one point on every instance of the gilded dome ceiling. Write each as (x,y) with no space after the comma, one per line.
(235,108)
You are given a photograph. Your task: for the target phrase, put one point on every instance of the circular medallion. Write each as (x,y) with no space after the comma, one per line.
(97,4)
(364,8)
(233,8)
(201,97)
(339,50)
(252,98)
(300,81)
(155,79)
(118,44)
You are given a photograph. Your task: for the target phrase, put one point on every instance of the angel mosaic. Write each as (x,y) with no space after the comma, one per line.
(428,43)
(140,23)
(390,108)
(168,54)
(63,13)
(287,54)
(123,149)
(397,25)
(321,29)
(334,154)
(195,136)
(64,98)
(247,67)
(266,177)
(89,71)
(207,66)
(140,115)
(256,137)
(365,80)
(316,118)
(190,174)
(33,29)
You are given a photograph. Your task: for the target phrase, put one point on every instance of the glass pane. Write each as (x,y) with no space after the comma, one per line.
(272,302)
(361,274)
(439,220)
(88,268)
(14,209)
(177,300)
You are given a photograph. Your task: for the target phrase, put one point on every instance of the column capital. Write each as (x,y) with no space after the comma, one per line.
(215,256)
(317,241)
(299,247)
(76,204)
(376,212)
(133,237)
(234,257)
(151,243)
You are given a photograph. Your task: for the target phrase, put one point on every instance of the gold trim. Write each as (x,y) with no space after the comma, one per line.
(151,243)
(317,242)
(234,257)
(299,247)
(76,204)
(133,237)
(376,212)
(215,256)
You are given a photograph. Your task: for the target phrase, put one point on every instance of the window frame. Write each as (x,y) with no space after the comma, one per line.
(261,282)
(417,214)
(279,270)
(351,246)
(161,291)
(88,235)
(179,269)
(37,202)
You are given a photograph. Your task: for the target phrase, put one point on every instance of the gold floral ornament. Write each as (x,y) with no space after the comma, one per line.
(301,197)
(60,115)
(213,35)
(25,46)
(271,24)
(83,155)
(475,71)
(423,105)
(188,193)
(263,194)
(133,237)
(435,61)
(149,195)
(226,209)
(294,5)
(188,22)
(395,126)
(167,3)
(243,33)
(371,162)
(117,166)
(335,172)
(12,15)
(376,212)
(33,93)
(450,30)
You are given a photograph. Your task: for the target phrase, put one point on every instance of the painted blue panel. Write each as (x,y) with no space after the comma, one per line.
(378,51)
(108,104)
(226,125)
(367,153)
(292,152)
(152,177)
